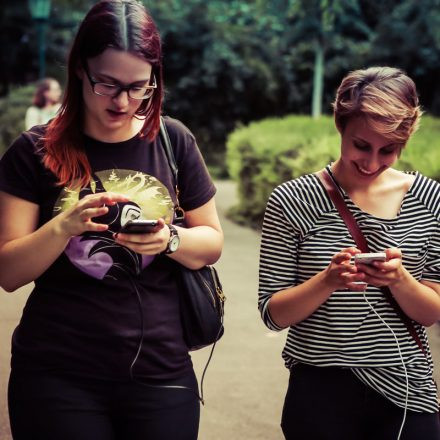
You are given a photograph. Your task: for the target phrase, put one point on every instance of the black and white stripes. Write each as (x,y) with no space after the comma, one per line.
(301,232)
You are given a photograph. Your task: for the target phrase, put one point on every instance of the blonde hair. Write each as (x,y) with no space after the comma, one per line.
(385,96)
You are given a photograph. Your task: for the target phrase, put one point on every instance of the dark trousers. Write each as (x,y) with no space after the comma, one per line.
(333,404)
(45,407)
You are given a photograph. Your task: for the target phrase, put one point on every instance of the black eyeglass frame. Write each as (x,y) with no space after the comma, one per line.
(119,88)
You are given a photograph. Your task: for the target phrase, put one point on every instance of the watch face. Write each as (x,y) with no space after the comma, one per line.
(174,244)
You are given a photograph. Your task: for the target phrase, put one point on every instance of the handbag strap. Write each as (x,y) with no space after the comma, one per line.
(336,197)
(166,143)
(179,216)
(179,213)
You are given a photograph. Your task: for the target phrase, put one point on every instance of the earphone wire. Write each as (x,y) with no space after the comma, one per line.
(140,343)
(335,194)
(402,360)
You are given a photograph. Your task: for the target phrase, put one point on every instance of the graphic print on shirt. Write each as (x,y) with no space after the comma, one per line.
(96,253)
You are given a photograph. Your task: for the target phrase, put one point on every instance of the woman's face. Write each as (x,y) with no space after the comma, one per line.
(107,117)
(365,154)
(53,94)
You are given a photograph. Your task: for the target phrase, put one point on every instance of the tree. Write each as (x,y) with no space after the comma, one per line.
(413,28)
(328,27)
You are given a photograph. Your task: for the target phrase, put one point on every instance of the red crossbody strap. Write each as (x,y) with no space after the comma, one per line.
(336,197)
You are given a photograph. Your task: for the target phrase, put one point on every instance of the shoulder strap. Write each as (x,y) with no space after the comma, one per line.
(336,197)
(165,138)
(179,213)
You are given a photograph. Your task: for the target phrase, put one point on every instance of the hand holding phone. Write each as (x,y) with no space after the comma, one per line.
(138,226)
(370,257)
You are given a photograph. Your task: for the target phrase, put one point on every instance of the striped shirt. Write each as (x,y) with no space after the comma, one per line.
(302,230)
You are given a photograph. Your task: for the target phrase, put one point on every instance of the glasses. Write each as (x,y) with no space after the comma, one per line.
(113,90)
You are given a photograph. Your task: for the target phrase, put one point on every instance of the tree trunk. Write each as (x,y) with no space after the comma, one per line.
(318,79)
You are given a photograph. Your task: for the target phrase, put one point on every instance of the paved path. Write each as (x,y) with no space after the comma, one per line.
(245,384)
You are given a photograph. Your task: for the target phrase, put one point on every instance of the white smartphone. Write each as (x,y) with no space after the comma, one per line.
(138,226)
(368,258)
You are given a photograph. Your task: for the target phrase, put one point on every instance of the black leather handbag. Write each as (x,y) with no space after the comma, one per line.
(202,298)
(201,306)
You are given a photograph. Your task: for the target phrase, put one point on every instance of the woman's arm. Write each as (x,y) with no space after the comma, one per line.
(201,242)
(419,300)
(25,251)
(294,304)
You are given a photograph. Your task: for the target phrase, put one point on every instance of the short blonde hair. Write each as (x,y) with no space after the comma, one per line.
(385,96)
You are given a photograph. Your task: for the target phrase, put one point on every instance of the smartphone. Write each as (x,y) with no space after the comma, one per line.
(369,257)
(138,226)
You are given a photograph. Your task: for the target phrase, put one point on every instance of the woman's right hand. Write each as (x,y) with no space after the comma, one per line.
(340,274)
(79,218)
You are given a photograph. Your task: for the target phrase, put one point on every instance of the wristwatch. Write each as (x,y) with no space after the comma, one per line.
(173,242)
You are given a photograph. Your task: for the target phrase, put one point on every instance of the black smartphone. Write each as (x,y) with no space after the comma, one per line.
(138,226)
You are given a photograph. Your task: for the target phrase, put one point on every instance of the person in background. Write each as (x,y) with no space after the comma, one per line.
(45,103)
(99,352)
(356,372)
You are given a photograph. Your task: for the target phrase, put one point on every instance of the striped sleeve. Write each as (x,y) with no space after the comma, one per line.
(285,220)
(429,194)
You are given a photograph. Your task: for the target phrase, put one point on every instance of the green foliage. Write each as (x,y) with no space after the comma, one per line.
(222,64)
(264,154)
(423,150)
(13,109)
(231,62)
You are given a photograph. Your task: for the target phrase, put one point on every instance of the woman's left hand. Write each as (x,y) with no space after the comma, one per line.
(149,243)
(384,273)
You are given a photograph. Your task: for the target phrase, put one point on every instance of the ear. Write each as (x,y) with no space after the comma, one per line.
(338,126)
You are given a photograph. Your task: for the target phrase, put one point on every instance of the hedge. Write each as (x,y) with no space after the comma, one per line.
(264,154)
(12,113)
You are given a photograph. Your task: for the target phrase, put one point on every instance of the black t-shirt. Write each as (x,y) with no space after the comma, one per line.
(83,316)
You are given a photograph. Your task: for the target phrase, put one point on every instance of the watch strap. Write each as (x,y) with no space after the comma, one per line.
(173,233)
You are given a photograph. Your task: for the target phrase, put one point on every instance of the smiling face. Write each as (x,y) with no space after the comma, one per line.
(108,118)
(365,153)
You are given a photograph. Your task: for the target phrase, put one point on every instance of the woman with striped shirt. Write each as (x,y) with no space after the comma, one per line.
(356,371)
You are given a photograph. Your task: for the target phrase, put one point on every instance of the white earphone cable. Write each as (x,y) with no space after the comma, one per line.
(403,364)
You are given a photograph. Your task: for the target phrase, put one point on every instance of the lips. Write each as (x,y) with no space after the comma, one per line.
(115,114)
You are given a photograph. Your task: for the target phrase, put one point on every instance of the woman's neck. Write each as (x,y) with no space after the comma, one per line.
(382,197)
(124,133)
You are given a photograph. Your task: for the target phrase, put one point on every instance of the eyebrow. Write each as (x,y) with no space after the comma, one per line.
(391,144)
(103,75)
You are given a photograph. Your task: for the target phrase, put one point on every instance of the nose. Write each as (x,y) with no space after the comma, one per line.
(372,163)
(121,99)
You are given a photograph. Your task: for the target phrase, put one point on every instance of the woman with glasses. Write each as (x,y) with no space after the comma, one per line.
(99,352)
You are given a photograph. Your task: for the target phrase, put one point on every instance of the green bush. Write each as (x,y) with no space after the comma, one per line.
(12,113)
(264,154)
(423,150)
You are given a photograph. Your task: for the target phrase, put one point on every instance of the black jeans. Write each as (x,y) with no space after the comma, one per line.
(45,407)
(333,404)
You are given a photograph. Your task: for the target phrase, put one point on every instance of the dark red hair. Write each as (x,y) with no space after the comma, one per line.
(118,24)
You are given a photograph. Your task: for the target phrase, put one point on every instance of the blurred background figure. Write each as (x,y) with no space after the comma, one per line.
(45,103)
